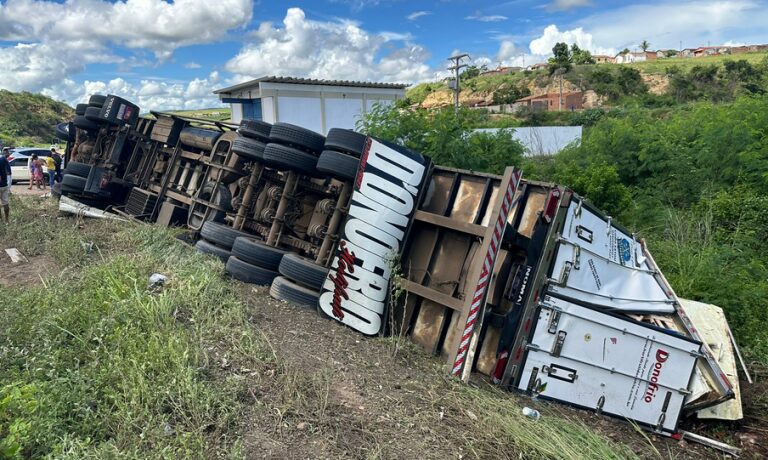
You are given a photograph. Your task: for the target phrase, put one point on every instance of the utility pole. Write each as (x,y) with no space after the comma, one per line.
(457,65)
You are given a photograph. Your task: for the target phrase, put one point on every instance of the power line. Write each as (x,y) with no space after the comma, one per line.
(457,65)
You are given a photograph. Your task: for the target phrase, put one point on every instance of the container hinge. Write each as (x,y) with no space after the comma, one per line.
(565,273)
(559,344)
(554,319)
(533,382)
(600,404)
(576,257)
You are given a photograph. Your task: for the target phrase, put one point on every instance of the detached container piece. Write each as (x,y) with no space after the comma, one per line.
(167,129)
(118,111)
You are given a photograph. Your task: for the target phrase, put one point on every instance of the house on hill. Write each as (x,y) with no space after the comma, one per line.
(711,51)
(502,71)
(551,102)
(636,56)
(603,59)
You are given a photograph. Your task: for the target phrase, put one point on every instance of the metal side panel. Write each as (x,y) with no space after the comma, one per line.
(609,363)
(600,264)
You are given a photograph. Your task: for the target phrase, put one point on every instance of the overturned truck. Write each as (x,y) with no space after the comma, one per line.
(520,281)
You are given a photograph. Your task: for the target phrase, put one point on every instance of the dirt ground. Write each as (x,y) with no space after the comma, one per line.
(374,403)
(22,190)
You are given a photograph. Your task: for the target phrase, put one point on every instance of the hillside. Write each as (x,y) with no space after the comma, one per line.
(214,114)
(608,84)
(28,119)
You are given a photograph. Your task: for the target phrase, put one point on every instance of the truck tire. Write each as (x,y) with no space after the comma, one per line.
(338,165)
(345,140)
(56,190)
(73,184)
(77,169)
(92,114)
(288,291)
(303,271)
(248,273)
(220,196)
(97,100)
(83,123)
(80,109)
(220,234)
(296,136)
(255,129)
(210,248)
(257,253)
(250,149)
(284,158)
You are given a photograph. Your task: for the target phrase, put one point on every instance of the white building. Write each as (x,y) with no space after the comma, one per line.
(318,105)
(636,56)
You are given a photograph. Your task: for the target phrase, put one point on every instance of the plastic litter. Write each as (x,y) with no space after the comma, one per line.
(531,413)
(157,280)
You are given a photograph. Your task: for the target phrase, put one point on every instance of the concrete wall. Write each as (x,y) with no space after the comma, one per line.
(543,140)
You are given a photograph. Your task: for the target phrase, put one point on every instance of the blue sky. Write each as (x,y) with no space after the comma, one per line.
(166,55)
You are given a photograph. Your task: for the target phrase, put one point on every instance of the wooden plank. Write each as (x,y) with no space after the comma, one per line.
(433,295)
(447,222)
(533,205)
(427,329)
(453,334)
(486,358)
(476,273)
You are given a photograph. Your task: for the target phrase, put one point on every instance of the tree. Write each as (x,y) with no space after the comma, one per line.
(473,71)
(645,45)
(561,60)
(580,56)
(625,51)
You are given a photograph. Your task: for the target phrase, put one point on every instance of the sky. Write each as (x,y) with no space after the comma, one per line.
(166,55)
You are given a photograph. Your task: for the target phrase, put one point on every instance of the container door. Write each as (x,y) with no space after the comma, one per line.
(600,264)
(614,365)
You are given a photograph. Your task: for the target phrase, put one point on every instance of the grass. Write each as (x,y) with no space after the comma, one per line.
(97,365)
(660,66)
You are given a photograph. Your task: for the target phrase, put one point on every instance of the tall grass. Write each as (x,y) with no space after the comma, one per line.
(97,365)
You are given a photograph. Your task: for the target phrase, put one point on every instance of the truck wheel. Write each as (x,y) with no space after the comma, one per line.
(285,158)
(257,253)
(73,184)
(248,273)
(345,140)
(296,136)
(80,109)
(221,234)
(97,100)
(339,165)
(77,169)
(303,271)
(255,129)
(84,123)
(92,114)
(288,291)
(210,248)
(250,149)
(56,190)
(220,196)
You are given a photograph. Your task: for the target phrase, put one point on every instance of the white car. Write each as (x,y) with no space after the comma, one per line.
(20,163)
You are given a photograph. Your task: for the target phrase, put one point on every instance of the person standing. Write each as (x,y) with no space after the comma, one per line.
(5,187)
(58,160)
(35,172)
(7,155)
(50,163)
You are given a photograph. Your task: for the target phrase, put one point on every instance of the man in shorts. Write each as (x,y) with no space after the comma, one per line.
(5,189)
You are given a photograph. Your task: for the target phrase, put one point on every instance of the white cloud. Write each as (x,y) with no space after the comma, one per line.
(338,49)
(156,25)
(478,16)
(192,65)
(417,14)
(668,23)
(507,50)
(561,5)
(542,46)
(147,94)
